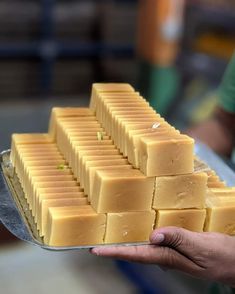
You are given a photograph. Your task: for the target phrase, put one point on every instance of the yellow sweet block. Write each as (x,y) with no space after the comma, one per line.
(136,171)
(54,196)
(166,156)
(36,181)
(54,184)
(129,226)
(51,172)
(98,88)
(216,184)
(90,174)
(104,161)
(132,111)
(73,226)
(24,158)
(131,127)
(190,219)
(40,152)
(79,151)
(21,157)
(78,156)
(121,190)
(58,112)
(46,173)
(65,137)
(224,191)
(23,162)
(74,151)
(57,163)
(65,131)
(223,201)
(37,146)
(123,123)
(180,192)
(36,149)
(220,215)
(104,100)
(46,204)
(25,139)
(87,161)
(133,145)
(214,181)
(49,190)
(117,125)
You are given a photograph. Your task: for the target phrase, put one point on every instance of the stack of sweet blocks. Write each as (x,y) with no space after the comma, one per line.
(113,172)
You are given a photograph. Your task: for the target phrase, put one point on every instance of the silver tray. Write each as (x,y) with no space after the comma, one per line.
(17,218)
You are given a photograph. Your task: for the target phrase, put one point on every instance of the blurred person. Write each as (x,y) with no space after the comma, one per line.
(218,132)
(204,255)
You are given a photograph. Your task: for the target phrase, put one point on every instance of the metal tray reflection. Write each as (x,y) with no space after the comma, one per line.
(17,218)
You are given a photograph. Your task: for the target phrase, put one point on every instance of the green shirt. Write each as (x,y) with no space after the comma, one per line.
(227,102)
(227,88)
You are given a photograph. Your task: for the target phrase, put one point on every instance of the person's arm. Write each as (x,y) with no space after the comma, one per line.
(208,256)
(219,131)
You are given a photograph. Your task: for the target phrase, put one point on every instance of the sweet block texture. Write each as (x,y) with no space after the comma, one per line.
(126,226)
(190,219)
(113,172)
(75,225)
(156,155)
(122,190)
(180,191)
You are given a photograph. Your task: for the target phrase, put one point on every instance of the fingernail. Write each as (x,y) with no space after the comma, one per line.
(94,251)
(157,238)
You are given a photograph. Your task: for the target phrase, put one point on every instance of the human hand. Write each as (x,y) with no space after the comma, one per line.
(214,134)
(205,255)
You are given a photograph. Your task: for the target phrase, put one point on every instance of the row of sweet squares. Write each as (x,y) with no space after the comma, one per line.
(103,171)
(171,192)
(84,138)
(128,118)
(163,216)
(60,208)
(140,133)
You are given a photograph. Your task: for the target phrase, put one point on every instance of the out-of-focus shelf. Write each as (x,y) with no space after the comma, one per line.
(54,49)
(214,15)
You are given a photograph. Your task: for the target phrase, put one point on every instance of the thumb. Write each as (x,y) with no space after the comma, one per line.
(177,238)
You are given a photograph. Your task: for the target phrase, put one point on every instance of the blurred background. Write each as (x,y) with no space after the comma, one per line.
(173,51)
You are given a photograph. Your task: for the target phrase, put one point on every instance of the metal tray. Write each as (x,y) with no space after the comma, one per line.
(17,218)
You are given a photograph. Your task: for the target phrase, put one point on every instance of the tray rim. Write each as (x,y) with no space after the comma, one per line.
(17,207)
(201,150)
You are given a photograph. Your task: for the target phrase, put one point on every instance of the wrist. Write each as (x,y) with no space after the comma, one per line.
(226,120)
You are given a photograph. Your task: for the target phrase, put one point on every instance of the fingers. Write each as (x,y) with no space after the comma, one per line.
(143,253)
(180,239)
(162,256)
(198,254)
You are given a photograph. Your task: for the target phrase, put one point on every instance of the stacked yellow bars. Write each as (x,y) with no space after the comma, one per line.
(53,194)
(220,203)
(111,173)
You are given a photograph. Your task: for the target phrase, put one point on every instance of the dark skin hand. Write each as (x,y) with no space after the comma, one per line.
(208,256)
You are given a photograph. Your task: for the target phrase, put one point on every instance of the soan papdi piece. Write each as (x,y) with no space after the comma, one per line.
(171,155)
(74,226)
(46,204)
(179,192)
(121,190)
(220,215)
(190,219)
(129,226)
